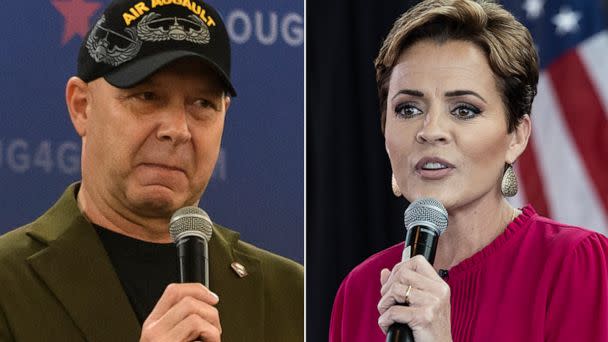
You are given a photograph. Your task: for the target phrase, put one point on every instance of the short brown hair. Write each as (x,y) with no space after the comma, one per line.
(506,42)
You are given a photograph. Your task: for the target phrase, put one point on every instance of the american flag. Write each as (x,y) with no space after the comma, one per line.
(564,170)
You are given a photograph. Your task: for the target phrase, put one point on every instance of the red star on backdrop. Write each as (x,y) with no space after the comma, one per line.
(77,14)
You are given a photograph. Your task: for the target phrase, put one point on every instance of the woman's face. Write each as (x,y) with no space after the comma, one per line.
(446,129)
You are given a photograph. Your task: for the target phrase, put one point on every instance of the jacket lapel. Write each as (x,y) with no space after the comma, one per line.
(77,270)
(241,304)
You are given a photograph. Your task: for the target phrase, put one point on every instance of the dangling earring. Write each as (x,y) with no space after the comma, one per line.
(509,186)
(396,190)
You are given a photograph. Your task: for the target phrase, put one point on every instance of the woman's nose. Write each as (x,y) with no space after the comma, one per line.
(433,129)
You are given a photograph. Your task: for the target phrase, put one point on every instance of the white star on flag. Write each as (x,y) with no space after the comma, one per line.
(566,21)
(533,8)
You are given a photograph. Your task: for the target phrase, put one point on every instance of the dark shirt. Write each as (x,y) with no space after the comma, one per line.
(143,268)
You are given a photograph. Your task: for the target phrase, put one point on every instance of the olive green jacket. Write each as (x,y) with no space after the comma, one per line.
(58,284)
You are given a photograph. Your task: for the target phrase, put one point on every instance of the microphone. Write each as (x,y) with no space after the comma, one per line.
(425,219)
(191,229)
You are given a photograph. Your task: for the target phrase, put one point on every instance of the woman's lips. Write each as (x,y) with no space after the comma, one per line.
(434,174)
(433,168)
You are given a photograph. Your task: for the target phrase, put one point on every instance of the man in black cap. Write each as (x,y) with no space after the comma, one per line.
(149,102)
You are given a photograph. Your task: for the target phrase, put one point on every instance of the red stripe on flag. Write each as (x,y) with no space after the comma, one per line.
(584,116)
(530,176)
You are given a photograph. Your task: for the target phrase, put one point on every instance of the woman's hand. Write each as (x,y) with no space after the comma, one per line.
(428,313)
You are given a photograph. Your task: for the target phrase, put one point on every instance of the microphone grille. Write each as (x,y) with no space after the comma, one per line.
(190,221)
(427,212)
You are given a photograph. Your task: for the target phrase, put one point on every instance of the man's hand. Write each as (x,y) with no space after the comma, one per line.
(185,312)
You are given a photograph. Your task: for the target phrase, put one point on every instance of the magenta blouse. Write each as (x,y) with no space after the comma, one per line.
(538,281)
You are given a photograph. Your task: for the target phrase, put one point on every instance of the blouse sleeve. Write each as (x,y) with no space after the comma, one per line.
(578,307)
(337,314)
(354,317)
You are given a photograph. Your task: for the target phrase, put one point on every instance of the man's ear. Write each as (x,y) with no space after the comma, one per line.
(519,139)
(227,100)
(77,98)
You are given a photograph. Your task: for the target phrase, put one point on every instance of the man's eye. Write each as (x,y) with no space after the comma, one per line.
(407,110)
(204,103)
(147,96)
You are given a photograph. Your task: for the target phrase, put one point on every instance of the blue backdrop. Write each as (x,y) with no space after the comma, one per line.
(258,184)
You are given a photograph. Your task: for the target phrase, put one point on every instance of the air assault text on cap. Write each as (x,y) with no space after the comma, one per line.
(140,8)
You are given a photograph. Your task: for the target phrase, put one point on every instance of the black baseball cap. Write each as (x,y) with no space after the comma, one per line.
(133,39)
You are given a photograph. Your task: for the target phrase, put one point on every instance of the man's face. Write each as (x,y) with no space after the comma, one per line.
(151,149)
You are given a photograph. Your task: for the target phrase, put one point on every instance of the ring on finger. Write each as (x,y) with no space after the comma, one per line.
(407,294)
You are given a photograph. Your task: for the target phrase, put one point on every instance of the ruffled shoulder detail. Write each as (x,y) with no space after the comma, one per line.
(520,224)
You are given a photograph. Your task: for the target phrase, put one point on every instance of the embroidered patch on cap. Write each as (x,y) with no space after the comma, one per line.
(132,40)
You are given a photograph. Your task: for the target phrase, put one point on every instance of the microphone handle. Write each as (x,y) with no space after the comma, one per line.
(193,265)
(399,332)
(422,241)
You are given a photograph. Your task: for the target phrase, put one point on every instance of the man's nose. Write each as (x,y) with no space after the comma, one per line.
(174,125)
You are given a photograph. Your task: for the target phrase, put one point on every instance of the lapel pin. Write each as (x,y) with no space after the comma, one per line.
(239,269)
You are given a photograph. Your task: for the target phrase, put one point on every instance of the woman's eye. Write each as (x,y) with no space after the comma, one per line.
(407,110)
(465,111)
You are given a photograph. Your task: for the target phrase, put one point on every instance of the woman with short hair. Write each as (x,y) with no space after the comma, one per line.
(456,80)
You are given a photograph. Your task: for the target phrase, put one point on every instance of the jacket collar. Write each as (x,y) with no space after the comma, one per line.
(77,270)
(242,299)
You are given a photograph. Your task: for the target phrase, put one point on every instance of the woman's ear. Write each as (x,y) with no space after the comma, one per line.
(77,98)
(519,139)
